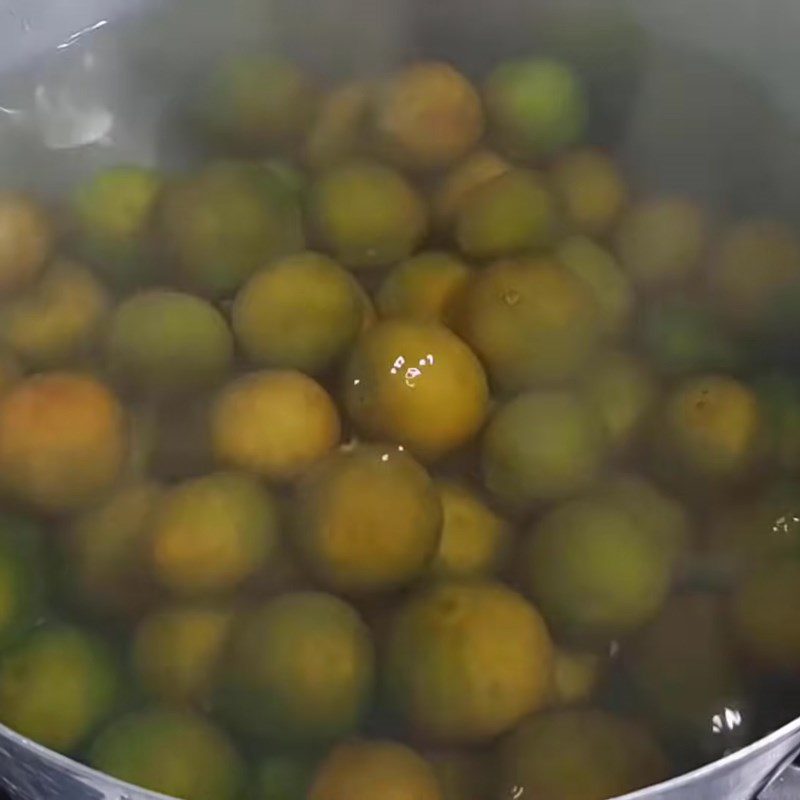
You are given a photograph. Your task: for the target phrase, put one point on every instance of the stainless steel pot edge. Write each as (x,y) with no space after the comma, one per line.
(34,772)
(741,774)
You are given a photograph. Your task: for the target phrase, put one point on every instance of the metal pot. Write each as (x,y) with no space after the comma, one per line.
(702,95)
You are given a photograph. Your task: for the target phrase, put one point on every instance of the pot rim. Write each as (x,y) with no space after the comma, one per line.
(91,776)
(699,774)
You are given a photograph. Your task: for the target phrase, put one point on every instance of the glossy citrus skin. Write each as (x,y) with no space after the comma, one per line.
(62,440)
(428,115)
(416,384)
(368,214)
(369,519)
(466,660)
(359,770)
(273,424)
(301,668)
(26,241)
(530,321)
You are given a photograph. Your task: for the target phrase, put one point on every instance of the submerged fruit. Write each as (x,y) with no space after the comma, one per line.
(210,534)
(506,216)
(753,530)
(755,266)
(338,126)
(222,223)
(473,171)
(302,312)
(369,519)
(106,567)
(660,241)
(466,661)
(760,615)
(300,669)
(530,321)
(56,686)
(253,102)
(62,440)
(113,212)
(371,769)
(10,371)
(584,754)
(164,341)
(541,447)
(417,384)
(664,516)
(622,391)
(475,541)
(576,675)
(177,650)
(21,575)
(425,287)
(684,667)
(367,214)
(597,571)
(56,320)
(462,774)
(26,241)
(590,189)
(682,337)
(711,428)
(274,424)
(535,106)
(600,273)
(284,777)
(179,754)
(427,115)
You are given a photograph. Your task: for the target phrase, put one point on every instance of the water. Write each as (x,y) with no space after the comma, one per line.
(108,94)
